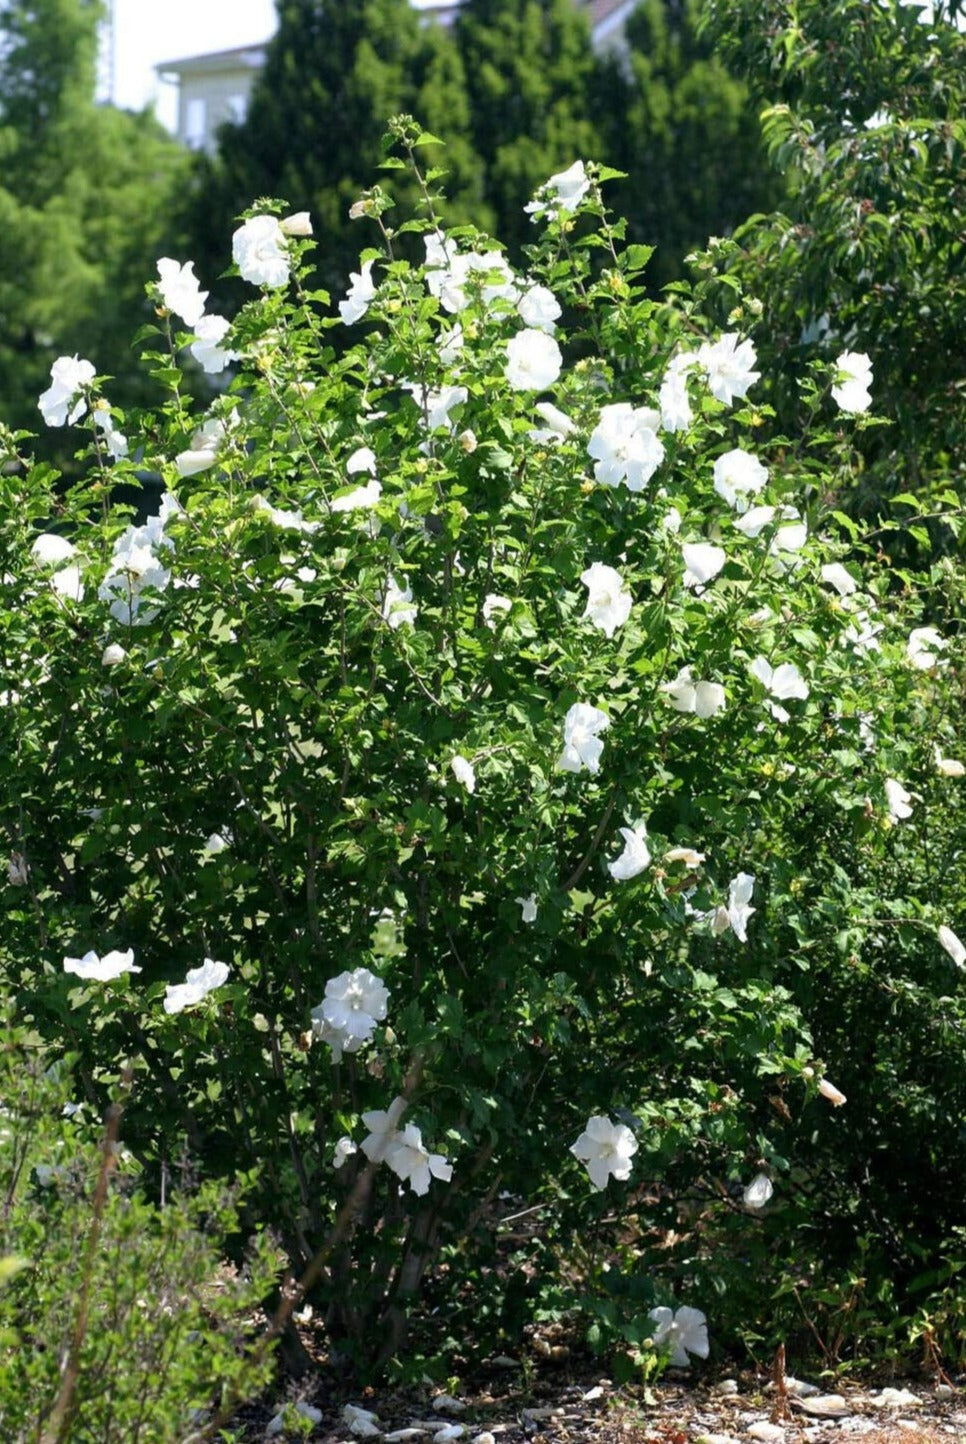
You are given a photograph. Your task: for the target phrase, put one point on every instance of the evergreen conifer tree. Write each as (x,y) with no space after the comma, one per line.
(530,75)
(687,134)
(336,70)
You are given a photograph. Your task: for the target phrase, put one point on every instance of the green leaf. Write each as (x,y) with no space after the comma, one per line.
(10,1265)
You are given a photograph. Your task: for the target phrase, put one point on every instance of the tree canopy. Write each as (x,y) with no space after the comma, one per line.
(530,77)
(687,133)
(333,74)
(85,193)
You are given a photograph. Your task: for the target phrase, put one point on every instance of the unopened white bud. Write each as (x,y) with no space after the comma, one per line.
(299,224)
(828,1090)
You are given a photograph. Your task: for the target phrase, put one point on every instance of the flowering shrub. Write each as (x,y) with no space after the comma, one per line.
(469,771)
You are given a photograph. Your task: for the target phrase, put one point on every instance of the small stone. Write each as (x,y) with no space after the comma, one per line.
(895,1399)
(800,1390)
(824,1406)
(794,1388)
(946,1391)
(503,1361)
(766,1432)
(403,1436)
(361,1422)
(537,1414)
(595,1393)
(485,1438)
(448,1432)
(909,1425)
(727,1386)
(716,1439)
(446,1404)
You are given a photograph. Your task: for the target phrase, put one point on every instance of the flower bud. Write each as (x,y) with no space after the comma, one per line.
(358,210)
(468,442)
(299,224)
(828,1090)
(113,655)
(947,766)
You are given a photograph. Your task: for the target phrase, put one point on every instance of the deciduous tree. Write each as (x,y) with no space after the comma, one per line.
(84,204)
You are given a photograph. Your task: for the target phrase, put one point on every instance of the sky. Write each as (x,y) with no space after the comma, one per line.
(149,31)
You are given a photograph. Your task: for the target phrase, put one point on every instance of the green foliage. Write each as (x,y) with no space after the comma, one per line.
(530,77)
(260,772)
(120,1322)
(517,94)
(84,199)
(333,73)
(687,134)
(865,106)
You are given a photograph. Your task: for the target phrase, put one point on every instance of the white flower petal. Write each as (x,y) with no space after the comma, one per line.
(260,252)
(534,361)
(198,983)
(757,1193)
(608,603)
(702,563)
(852,394)
(635,857)
(899,801)
(462,770)
(582,746)
(954,947)
(828,1090)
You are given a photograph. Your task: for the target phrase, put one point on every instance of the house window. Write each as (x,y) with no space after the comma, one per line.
(235,108)
(195,119)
